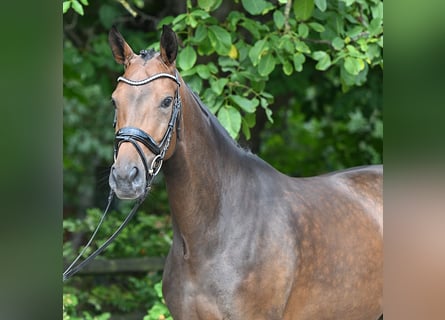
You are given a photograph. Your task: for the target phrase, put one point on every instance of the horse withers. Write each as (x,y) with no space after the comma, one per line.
(248,241)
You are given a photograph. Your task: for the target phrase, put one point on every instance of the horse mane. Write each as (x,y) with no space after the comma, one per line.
(213,120)
(147,54)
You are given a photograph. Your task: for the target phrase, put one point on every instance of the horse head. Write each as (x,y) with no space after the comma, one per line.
(147,106)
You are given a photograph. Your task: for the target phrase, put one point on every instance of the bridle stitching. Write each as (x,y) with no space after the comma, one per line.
(150,79)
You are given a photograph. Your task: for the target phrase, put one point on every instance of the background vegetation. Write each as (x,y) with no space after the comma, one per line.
(299,82)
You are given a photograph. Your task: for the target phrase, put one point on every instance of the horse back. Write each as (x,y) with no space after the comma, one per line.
(365,186)
(338,220)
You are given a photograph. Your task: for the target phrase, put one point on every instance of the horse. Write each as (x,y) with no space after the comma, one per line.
(248,241)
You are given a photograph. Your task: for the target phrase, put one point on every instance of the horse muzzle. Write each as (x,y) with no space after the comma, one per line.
(128,180)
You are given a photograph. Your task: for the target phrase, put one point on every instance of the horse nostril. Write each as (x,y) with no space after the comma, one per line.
(133,173)
(119,175)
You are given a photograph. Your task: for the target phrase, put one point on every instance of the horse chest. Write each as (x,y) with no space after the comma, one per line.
(194,292)
(226,287)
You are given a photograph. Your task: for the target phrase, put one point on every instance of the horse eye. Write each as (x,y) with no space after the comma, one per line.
(166,102)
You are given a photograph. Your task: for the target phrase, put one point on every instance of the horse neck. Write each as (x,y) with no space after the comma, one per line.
(196,173)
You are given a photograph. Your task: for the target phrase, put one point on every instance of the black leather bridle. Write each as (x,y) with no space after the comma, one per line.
(135,135)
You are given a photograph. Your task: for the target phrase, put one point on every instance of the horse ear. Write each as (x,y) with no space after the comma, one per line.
(121,50)
(169,45)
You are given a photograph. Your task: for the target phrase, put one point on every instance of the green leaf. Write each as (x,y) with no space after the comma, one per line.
(179,18)
(139,3)
(230,118)
(77,7)
(254,27)
(287,68)
(375,27)
(255,7)
(303,9)
(287,43)
(363,45)
(338,43)
(268,96)
(352,50)
(220,39)
(321,5)
(245,129)
(200,34)
(66,6)
(348,2)
(377,11)
(347,79)
(316,27)
(187,58)
(303,30)
(324,60)
(205,47)
(209,5)
(299,59)
(212,67)
(269,114)
(158,289)
(278,18)
(225,62)
(302,47)
(257,51)
(200,14)
(250,119)
(203,71)
(233,20)
(84,2)
(373,51)
(257,84)
(354,32)
(218,85)
(191,21)
(350,65)
(248,105)
(354,65)
(266,65)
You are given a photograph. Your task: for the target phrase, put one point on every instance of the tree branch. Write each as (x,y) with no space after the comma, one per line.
(319,41)
(286,15)
(127,7)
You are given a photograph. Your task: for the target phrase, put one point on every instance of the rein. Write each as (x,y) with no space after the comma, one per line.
(134,135)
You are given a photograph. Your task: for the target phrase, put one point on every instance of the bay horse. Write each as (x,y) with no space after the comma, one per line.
(248,241)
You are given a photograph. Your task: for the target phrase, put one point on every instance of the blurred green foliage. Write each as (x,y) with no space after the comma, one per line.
(159,310)
(297,81)
(147,235)
(326,129)
(344,37)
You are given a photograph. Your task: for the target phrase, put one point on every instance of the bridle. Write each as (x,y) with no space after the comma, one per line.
(135,135)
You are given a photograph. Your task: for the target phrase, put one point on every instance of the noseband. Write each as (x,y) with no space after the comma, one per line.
(134,135)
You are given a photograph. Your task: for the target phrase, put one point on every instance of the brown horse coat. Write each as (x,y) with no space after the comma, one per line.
(249,242)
